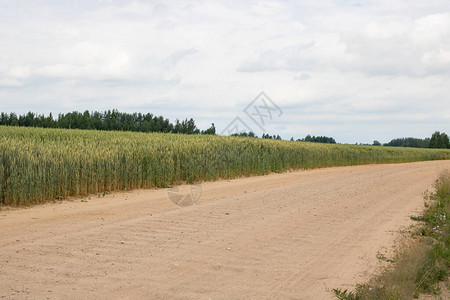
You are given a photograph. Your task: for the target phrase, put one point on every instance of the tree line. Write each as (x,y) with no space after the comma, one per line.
(318,139)
(409,142)
(308,138)
(437,140)
(107,120)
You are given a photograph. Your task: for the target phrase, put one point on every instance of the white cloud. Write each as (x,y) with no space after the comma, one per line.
(344,68)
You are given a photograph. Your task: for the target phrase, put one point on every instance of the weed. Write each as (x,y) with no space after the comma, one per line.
(421,266)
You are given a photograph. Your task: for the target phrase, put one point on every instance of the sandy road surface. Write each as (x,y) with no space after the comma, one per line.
(295,235)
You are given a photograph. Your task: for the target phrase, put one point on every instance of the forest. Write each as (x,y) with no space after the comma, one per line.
(108,120)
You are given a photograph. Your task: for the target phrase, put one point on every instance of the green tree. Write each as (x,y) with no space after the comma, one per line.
(318,139)
(107,120)
(85,121)
(245,134)
(439,140)
(211,130)
(409,142)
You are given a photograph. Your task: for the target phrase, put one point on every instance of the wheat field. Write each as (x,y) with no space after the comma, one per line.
(38,165)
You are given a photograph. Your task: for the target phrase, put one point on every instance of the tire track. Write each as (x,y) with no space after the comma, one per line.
(286,235)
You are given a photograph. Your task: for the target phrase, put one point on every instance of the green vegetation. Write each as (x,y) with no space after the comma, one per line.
(38,164)
(308,138)
(439,140)
(318,139)
(271,137)
(245,134)
(108,120)
(421,267)
(409,142)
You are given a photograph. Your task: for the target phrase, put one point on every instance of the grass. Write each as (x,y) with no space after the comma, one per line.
(422,263)
(38,165)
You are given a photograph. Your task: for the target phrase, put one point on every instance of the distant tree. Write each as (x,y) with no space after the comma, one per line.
(97,121)
(376,143)
(409,142)
(27,120)
(211,130)
(13,120)
(107,120)
(271,137)
(439,140)
(4,119)
(48,122)
(85,121)
(186,126)
(245,134)
(318,139)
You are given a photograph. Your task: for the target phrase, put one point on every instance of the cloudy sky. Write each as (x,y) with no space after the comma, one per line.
(355,70)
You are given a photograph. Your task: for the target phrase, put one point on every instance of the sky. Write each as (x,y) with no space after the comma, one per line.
(357,71)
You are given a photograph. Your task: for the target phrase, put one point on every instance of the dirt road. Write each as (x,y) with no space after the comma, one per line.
(293,235)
